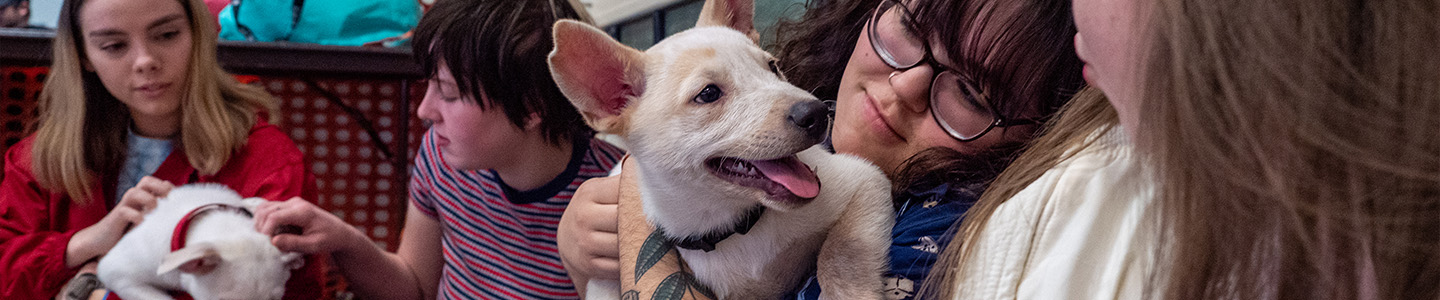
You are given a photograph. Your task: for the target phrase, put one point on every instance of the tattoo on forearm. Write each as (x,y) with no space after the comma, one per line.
(656,246)
(676,285)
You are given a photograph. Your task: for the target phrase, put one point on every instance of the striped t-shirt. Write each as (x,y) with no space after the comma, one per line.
(499,243)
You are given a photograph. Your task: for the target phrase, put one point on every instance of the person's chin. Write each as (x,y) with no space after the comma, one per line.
(460,161)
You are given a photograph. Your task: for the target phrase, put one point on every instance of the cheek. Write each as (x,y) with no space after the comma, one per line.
(114,73)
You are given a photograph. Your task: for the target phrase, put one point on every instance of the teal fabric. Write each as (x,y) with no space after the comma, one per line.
(328,22)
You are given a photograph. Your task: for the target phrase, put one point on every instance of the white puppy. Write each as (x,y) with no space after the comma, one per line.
(721,142)
(219,255)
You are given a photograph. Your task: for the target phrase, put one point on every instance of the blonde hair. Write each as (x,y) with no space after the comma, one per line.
(1297,145)
(80,136)
(1071,129)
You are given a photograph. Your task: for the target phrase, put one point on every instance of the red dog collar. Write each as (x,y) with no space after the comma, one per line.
(177,239)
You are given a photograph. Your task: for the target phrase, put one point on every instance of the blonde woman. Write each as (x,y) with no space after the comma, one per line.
(1290,152)
(134,92)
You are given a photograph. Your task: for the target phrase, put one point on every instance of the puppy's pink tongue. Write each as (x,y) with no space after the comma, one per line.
(791,173)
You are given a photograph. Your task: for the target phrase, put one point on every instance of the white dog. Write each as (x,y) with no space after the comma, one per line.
(215,252)
(724,146)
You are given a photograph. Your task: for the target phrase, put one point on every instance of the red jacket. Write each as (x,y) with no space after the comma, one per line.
(36,224)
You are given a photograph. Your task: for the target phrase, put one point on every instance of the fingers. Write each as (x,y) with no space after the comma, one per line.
(600,190)
(143,196)
(601,218)
(129,217)
(605,268)
(308,244)
(595,205)
(293,212)
(155,186)
(604,244)
(137,199)
(262,214)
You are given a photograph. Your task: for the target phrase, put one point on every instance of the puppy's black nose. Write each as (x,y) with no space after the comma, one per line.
(811,116)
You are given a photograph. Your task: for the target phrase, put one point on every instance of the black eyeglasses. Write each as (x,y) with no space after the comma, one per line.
(956,104)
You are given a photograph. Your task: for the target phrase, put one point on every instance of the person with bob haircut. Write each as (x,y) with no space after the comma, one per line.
(503,155)
(1241,150)
(135,104)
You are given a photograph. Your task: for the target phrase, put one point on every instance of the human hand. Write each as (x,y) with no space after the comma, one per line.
(97,239)
(320,231)
(589,245)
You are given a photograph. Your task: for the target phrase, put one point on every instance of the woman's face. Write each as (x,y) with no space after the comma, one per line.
(1109,43)
(883,114)
(141,51)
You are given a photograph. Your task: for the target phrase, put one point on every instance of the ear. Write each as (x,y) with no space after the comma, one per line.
(199,258)
(293,260)
(252,203)
(736,14)
(601,76)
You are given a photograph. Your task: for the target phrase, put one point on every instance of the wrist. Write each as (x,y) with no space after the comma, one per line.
(354,243)
(78,250)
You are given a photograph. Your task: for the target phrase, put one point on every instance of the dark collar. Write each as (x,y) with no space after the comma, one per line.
(177,239)
(707,242)
(579,147)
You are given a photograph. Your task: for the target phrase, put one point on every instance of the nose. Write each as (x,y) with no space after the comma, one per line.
(912,87)
(811,117)
(145,60)
(427,110)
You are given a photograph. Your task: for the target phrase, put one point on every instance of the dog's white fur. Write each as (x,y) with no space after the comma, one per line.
(646,98)
(223,258)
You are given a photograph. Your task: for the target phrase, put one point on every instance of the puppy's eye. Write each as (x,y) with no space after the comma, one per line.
(775,68)
(711,93)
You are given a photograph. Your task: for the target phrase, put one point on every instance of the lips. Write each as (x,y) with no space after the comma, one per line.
(878,123)
(784,179)
(152,89)
(441,140)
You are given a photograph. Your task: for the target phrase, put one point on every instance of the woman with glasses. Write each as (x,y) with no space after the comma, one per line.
(940,94)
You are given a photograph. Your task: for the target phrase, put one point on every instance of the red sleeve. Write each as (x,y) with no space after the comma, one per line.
(32,250)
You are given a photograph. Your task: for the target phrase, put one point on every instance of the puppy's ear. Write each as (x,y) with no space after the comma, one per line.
(601,76)
(199,258)
(293,260)
(252,203)
(736,14)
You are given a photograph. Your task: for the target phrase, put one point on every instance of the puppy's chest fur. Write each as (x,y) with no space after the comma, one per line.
(779,252)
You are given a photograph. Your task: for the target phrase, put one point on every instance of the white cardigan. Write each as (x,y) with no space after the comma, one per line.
(1074,233)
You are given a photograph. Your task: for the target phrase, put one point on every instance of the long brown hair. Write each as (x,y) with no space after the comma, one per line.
(1297,145)
(1089,114)
(80,138)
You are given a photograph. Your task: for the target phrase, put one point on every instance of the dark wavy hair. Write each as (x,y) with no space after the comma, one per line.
(813,50)
(497,52)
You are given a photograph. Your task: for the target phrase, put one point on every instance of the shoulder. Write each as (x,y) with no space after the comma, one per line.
(600,153)
(1105,170)
(17,158)
(268,142)
(1086,210)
